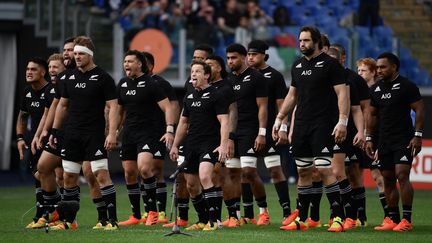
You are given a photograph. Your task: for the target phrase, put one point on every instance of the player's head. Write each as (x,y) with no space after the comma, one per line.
(387,66)
(201,52)
(200,74)
(325,43)
(83,51)
(342,51)
(68,52)
(310,40)
(366,68)
(217,65)
(236,55)
(335,53)
(134,64)
(55,65)
(150,61)
(37,70)
(257,55)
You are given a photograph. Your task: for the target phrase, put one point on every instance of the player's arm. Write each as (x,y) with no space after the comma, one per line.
(287,106)
(340,130)
(20,130)
(166,107)
(416,142)
(59,116)
(365,105)
(224,131)
(232,127)
(371,123)
(260,141)
(113,121)
(283,131)
(179,136)
(175,108)
(35,143)
(358,118)
(49,121)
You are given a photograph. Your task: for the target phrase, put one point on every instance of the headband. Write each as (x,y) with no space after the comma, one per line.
(84,49)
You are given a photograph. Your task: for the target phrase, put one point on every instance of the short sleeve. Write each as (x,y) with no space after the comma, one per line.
(280,88)
(261,87)
(336,73)
(413,93)
(109,88)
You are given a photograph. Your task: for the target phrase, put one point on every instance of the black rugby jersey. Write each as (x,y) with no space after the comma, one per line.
(159,116)
(248,86)
(201,108)
(360,83)
(314,80)
(224,86)
(139,98)
(33,103)
(276,90)
(87,94)
(393,100)
(49,96)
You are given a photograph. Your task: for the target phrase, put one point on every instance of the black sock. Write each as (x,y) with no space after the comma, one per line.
(247,197)
(317,190)
(347,200)
(359,199)
(231,205)
(161,196)
(71,195)
(284,200)
(61,192)
(134,198)
(109,196)
(238,204)
(394,214)
(39,201)
(297,203)
(262,202)
(199,204)
(219,200)
(210,196)
(304,197)
(384,204)
(50,200)
(333,195)
(150,189)
(183,207)
(144,197)
(101,209)
(406,212)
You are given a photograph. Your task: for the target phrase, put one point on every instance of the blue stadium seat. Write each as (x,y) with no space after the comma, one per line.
(325,20)
(361,30)
(273,30)
(309,3)
(293,30)
(382,31)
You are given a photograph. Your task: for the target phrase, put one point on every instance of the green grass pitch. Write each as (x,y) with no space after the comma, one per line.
(15,201)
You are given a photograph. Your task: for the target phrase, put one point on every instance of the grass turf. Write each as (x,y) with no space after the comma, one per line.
(15,201)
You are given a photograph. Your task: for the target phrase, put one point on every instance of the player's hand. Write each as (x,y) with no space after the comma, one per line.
(230,149)
(34,145)
(359,140)
(276,126)
(174,153)
(21,148)
(339,133)
(415,146)
(260,143)
(375,158)
(222,150)
(168,139)
(53,138)
(110,142)
(369,149)
(283,138)
(44,134)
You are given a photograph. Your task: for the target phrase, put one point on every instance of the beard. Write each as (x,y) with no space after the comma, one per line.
(308,52)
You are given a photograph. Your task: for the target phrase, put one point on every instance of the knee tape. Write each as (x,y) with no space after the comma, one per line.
(248,161)
(233,163)
(101,164)
(303,163)
(71,167)
(322,162)
(272,161)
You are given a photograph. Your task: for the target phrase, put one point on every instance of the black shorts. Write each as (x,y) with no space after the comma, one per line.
(369,163)
(83,147)
(32,159)
(270,148)
(159,151)
(312,140)
(55,151)
(134,142)
(388,160)
(343,147)
(195,154)
(244,146)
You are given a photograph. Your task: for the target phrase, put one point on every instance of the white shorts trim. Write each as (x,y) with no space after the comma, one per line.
(272,161)
(233,163)
(71,167)
(101,164)
(248,161)
(322,162)
(303,163)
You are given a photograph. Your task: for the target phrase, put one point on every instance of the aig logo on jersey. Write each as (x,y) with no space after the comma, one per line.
(131,92)
(306,73)
(34,104)
(196,104)
(80,85)
(237,87)
(386,96)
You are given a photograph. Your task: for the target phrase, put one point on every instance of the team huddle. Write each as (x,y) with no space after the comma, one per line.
(337,121)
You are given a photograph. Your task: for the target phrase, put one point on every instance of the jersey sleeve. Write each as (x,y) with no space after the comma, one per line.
(221,104)
(336,72)
(413,93)
(109,88)
(168,89)
(50,93)
(23,104)
(118,92)
(280,88)
(185,112)
(354,97)
(373,102)
(63,90)
(261,87)
(157,91)
(293,79)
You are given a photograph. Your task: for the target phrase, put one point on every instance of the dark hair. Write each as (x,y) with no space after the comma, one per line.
(149,57)
(140,57)
(84,41)
(69,40)
(41,63)
(392,58)
(334,52)
(221,63)
(325,40)
(237,48)
(204,47)
(315,34)
(340,48)
(206,67)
